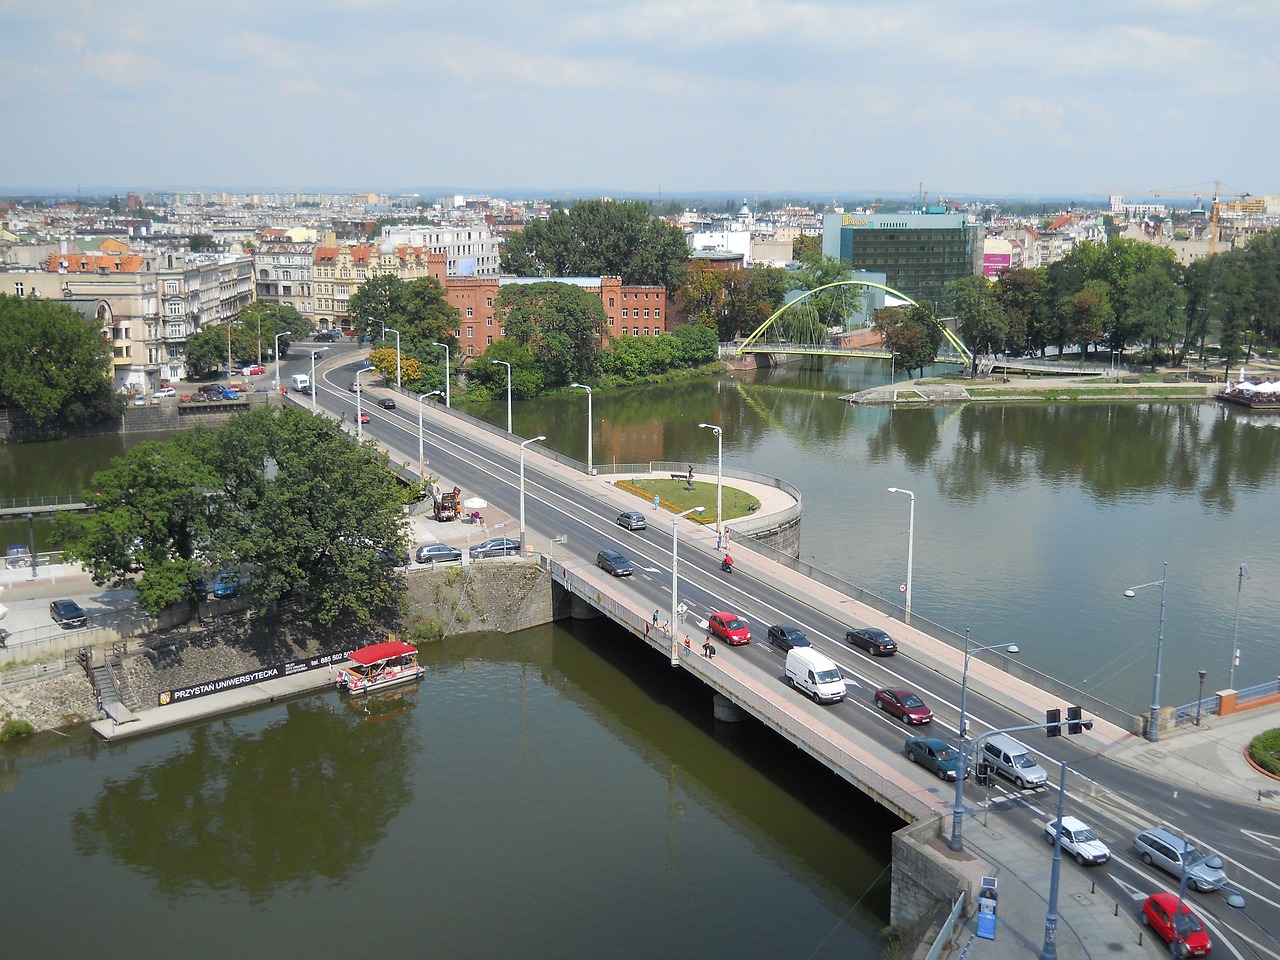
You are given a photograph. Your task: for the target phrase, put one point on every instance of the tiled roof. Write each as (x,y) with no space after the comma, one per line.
(93,262)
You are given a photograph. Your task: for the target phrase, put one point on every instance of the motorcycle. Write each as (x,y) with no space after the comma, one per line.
(726,566)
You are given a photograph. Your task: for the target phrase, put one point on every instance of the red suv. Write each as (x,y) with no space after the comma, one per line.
(729,628)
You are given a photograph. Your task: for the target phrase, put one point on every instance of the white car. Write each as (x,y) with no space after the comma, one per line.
(165,392)
(1079,840)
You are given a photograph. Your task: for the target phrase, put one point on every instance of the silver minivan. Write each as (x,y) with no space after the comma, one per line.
(1174,854)
(1014,761)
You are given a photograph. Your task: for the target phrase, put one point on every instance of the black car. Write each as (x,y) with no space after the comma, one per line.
(386,403)
(613,562)
(434,553)
(497,547)
(326,336)
(784,637)
(68,614)
(875,642)
(633,520)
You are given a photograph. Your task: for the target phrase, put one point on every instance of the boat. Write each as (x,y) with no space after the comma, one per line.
(379,666)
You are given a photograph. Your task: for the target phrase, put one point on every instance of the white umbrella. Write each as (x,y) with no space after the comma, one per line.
(475,503)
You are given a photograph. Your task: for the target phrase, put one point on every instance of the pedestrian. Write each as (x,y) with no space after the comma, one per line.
(707,648)
(688,643)
(655,618)
(666,627)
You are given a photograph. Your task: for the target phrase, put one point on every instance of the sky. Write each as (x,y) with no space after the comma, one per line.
(650,97)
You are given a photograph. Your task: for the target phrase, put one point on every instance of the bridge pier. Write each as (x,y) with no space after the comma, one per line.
(726,710)
(579,609)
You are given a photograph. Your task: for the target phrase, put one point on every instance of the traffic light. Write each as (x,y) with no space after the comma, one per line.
(1053,722)
(1074,723)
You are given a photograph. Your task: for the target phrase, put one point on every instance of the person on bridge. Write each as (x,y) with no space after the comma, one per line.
(727,564)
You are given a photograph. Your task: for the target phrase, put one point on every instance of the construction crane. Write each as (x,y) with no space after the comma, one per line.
(1236,205)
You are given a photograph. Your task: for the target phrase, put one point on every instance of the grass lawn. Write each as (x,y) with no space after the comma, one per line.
(677,497)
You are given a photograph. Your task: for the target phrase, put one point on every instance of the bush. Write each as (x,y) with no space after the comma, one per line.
(15,728)
(1264,750)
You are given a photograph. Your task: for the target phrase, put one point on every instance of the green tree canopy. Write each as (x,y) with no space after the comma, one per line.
(55,365)
(983,325)
(491,376)
(206,351)
(560,324)
(911,334)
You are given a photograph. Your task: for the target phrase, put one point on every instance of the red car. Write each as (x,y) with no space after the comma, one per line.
(729,628)
(253,370)
(1158,913)
(364,417)
(904,704)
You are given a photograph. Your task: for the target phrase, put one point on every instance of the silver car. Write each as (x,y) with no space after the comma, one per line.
(1174,854)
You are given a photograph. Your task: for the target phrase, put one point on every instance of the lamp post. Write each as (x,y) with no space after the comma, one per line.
(1200,697)
(911,542)
(313,376)
(445,348)
(282,333)
(1049,951)
(508,366)
(957,809)
(523,444)
(31,535)
(583,386)
(1235,633)
(422,458)
(719,479)
(259,338)
(1153,724)
(385,331)
(675,603)
(359,406)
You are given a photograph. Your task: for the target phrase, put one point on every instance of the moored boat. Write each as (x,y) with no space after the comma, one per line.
(379,666)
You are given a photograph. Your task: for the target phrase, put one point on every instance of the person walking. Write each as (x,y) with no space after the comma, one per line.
(708,650)
(655,618)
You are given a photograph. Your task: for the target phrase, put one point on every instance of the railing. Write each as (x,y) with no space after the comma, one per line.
(947,933)
(37,503)
(1193,711)
(1268,689)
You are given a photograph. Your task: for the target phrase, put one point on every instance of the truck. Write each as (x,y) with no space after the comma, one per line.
(447,504)
(301,383)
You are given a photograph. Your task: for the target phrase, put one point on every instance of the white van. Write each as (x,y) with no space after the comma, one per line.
(301,383)
(1014,761)
(817,675)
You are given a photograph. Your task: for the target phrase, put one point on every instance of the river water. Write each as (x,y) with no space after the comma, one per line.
(559,792)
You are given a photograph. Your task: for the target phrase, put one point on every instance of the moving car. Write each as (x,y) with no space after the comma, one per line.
(784,637)
(1079,840)
(875,642)
(1013,760)
(1159,914)
(610,561)
(729,628)
(817,675)
(386,403)
(226,584)
(632,520)
(364,417)
(434,553)
(904,704)
(253,370)
(326,336)
(1174,854)
(935,755)
(496,547)
(68,614)
(355,386)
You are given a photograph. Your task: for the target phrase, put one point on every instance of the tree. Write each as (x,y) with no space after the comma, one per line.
(1088,315)
(206,351)
(831,307)
(526,378)
(258,325)
(600,238)
(806,247)
(911,334)
(560,324)
(1154,312)
(428,315)
(983,324)
(379,300)
(200,242)
(55,366)
(1021,294)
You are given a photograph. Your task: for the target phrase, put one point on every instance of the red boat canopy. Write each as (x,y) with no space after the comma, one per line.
(382,651)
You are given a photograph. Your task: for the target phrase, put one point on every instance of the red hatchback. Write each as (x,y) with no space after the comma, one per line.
(906,705)
(1158,913)
(729,628)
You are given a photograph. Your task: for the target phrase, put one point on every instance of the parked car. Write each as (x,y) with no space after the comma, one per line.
(211,389)
(165,392)
(1174,854)
(632,520)
(729,628)
(1079,840)
(610,561)
(386,403)
(226,584)
(326,336)
(935,755)
(875,642)
(68,614)
(253,370)
(904,704)
(1159,913)
(496,547)
(434,553)
(17,555)
(784,637)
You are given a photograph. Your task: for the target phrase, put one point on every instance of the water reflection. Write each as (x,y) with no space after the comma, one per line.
(311,795)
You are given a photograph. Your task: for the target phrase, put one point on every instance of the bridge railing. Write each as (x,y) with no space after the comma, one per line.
(36,504)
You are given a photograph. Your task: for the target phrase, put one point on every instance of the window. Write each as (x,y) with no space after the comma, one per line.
(286,274)
(611,301)
(471,331)
(173,330)
(470,312)
(646,331)
(635,331)
(488,321)
(489,339)
(171,286)
(626,312)
(611,321)
(468,349)
(489,302)
(17,289)
(174,308)
(646,313)
(656,312)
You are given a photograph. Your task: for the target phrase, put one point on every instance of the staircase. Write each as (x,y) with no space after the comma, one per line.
(115,698)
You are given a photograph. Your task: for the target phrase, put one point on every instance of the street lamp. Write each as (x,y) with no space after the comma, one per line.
(719,478)
(676,621)
(282,333)
(422,459)
(523,444)
(313,376)
(508,366)
(957,809)
(385,331)
(1235,633)
(1200,696)
(31,535)
(1153,724)
(588,389)
(445,347)
(359,407)
(911,542)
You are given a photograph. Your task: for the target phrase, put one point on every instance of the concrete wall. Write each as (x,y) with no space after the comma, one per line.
(166,414)
(493,595)
(926,874)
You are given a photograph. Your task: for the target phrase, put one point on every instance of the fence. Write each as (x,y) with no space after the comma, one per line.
(35,504)
(38,643)
(947,933)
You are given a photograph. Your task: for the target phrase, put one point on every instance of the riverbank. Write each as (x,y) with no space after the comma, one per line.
(1045,389)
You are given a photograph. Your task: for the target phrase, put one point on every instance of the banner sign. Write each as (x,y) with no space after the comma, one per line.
(250,677)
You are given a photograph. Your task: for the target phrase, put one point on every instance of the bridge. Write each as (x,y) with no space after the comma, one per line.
(21,506)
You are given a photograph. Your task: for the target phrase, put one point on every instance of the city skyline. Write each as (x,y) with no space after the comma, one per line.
(760,98)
